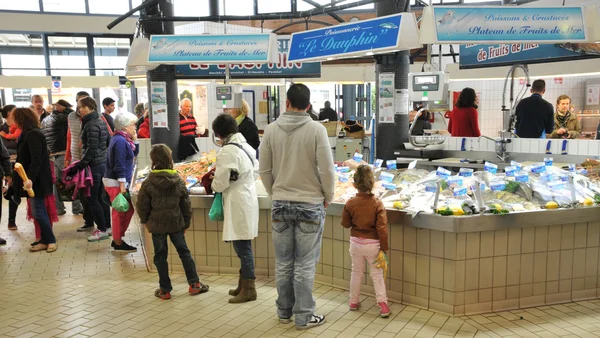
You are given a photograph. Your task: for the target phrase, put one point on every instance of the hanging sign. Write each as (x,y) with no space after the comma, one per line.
(159,104)
(360,38)
(510,24)
(475,55)
(283,68)
(56,85)
(386,98)
(178,49)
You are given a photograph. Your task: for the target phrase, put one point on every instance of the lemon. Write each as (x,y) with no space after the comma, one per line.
(552,205)
(398,205)
(495,206)
(458,212)
(588,202)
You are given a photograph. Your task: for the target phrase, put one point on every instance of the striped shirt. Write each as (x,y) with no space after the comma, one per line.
(187,125)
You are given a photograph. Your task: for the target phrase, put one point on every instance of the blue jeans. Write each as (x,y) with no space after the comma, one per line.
(297,236)
(243,249)
(161,250)
(40,214)
(98,206)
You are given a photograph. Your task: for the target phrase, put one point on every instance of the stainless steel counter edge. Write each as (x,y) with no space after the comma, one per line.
(460,224)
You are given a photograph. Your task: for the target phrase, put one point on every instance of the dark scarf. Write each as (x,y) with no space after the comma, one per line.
(562,120)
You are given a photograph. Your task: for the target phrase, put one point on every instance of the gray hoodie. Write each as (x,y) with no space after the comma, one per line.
(296,164)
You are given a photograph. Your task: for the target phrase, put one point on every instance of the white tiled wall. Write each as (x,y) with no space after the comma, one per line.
(490,102)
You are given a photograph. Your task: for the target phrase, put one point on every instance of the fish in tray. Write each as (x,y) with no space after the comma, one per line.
(582,48)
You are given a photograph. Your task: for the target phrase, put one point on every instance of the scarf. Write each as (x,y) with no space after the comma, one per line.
(562,119)
(240,119)
(127,138)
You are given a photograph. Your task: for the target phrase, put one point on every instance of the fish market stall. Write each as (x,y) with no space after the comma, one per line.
(520,240)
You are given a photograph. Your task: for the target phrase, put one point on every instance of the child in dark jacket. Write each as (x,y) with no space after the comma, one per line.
(366,217)
(165,208)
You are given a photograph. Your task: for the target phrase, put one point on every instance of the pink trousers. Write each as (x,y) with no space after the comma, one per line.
(362,249)
(120,220)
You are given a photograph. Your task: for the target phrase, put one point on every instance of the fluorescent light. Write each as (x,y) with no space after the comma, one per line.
(329,59)
(369,53)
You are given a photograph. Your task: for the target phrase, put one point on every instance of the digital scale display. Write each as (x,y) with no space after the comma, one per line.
(423,83)
(425,79)
(223,93)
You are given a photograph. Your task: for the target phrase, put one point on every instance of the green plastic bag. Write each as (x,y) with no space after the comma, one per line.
(216,210)
(120,203)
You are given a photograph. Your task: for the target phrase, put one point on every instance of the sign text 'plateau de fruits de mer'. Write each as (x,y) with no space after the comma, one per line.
(515,24)
(348,39)
(209,48)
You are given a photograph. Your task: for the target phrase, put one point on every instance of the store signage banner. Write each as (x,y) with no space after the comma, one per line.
(386,98)
(509,24)
(474,55)
(177,49)
(352,39)
(159,104)
(283,68)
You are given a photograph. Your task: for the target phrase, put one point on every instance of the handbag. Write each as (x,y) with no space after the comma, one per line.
(216,210)
(120,203)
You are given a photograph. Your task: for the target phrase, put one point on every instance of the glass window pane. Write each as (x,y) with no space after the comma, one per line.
(303,6)
(242,7)
(69,94)
(21,97)
(22,54)
(364,7)
(21,5)
(122,97)
(68,56)
(65,6)
(109,6)
(191,7)
(269,6)
(110,56)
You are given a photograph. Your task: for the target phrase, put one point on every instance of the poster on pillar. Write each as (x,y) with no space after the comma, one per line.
(402,101)
(386,98)
(159,104)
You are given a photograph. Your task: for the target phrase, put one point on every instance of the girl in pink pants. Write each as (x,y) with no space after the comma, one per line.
(366,217)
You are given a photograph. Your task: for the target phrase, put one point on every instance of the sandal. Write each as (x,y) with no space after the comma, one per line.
(38,247)
(52,247)
(37,241)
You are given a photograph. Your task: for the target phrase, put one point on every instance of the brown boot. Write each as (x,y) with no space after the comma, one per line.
(247,293)
(235,292)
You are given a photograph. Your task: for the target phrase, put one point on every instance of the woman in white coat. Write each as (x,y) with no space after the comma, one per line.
(235,176)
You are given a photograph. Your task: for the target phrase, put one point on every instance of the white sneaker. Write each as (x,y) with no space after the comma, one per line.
(315,320)
(109,231)
(97,236)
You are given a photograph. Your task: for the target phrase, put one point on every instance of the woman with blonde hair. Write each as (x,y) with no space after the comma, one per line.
(245,125)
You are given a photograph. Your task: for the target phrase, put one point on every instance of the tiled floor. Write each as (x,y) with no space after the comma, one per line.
(85,290)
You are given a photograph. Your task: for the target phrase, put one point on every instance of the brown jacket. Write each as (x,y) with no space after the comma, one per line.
(572,125)
(164,203)
(366,216)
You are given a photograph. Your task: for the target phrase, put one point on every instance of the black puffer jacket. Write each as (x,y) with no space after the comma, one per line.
(94,140)
(33,155)
(164,203)
(55,128)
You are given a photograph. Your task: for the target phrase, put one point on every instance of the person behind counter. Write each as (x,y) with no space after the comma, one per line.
(566,123)
(464,120)
(328,113)
(235,176)
(245,125)
(187,122)
(165,208)
(365,215)
(535,115)
(421,123)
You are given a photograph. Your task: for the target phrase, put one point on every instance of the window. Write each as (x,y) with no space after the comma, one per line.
(64,6)
(110,56)
(269,6)
(22,54)
(22,5)
(242,7)
(192,8)
(109,6)
(364,7)
(68,56)
(303,6)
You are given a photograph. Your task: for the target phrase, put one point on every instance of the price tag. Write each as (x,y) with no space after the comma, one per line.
(516,164)
(391,164)
(498,186)
(357,157)
(548,161)
(460,191)
(387,177)
(389,186)
(522,176)
(378,163)
(442,172)
(490,167)
(465,172)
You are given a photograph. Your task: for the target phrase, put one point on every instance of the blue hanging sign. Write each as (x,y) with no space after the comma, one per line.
(474,55)
(177,49)
(283,68)
(355,39)
(509,24)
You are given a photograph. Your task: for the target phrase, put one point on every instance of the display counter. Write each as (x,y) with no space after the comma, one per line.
(454,265)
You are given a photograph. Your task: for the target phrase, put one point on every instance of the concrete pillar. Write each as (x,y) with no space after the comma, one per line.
(390,137)
(349,100)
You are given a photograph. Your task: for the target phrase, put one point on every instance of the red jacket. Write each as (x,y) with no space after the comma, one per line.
(464,122)
(144,131)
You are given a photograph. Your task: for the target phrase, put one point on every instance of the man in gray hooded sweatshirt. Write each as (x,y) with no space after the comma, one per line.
(296,168)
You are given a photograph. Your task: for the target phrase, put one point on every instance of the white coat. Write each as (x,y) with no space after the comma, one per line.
(240,202)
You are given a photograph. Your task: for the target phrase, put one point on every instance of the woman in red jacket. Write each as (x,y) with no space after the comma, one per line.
(464,121)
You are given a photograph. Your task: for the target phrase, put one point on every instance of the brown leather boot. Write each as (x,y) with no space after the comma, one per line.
(247,293)
(235,292)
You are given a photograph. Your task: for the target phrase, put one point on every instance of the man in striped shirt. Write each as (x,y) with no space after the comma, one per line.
(187,122)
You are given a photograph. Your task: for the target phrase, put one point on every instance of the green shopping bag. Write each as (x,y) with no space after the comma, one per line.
(216,210)
(120,203)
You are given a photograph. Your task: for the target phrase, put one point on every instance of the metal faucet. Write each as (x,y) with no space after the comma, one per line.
(501,152)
